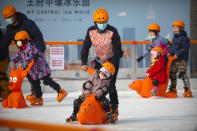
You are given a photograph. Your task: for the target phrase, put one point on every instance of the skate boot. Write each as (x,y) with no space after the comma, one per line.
(30,97)
(172,93)
(36,102)
(114,112)
(61,95)
(71,119)
(110,119)
(154,91)
(187,93)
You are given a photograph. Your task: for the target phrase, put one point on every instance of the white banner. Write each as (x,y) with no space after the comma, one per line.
(56,58)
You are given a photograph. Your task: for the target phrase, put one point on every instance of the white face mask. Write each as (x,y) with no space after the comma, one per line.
(105,71)
(19,43)
(9,21)
(154,54)
(102,26)
(152,37)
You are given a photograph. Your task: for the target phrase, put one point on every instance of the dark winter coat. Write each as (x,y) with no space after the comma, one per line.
(158,70)
(96,86)
(180,46)
(28,25)
(107,45)
(4,53)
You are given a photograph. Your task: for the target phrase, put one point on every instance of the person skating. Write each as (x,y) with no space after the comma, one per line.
(157,69)
(97,84)
(180,49)
(107,45)
(18,21)
(39,71)
(4,60)
(156,41)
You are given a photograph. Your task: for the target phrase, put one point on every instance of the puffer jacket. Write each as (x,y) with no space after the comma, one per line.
(180,46)
(25,55)
(158,70)
(159,41)
(4,53)
(28,25)
(96,86)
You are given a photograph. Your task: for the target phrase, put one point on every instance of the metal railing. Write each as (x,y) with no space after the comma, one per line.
(132,71)
(29,125)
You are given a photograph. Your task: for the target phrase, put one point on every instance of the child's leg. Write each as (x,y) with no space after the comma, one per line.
(173,74)
(155,87)
(76,105)
(33,94)
(183,74)
(106,105)
(184,77)
(36,88)
(61,92)
(49,81)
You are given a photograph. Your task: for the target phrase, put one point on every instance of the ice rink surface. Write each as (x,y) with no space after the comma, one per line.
(135,113)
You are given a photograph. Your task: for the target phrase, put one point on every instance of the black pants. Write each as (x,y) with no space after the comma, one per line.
(77,103)
(155,83)
(113,95)
(36,88)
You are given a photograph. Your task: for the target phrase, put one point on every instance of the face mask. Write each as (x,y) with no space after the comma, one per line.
(154,54)
(102,26)
(9,21)
(104,72)
(152,37)
(19,43)
(102,76)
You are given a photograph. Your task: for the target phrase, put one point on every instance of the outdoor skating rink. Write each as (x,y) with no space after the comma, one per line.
(136,113)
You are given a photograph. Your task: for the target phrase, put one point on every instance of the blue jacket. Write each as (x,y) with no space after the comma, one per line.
(157,41)
(180,46)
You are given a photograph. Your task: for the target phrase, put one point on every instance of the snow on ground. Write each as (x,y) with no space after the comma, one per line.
(136,113)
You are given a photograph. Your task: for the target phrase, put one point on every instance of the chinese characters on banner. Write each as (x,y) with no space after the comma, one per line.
(63,8)
(56,58)
(60,3)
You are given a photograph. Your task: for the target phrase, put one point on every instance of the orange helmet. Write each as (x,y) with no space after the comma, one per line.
(155,27)
(158,49)
(178,23)
(109,67)
(101,15)
(8,11)
(22,35)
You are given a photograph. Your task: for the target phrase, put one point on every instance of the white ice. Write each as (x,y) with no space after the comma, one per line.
(135,113)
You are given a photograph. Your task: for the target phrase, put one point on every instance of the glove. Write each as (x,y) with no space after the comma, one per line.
(139,58)
(84,67)
(87,85)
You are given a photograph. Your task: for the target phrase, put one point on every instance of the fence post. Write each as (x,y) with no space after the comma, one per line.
(133,67)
